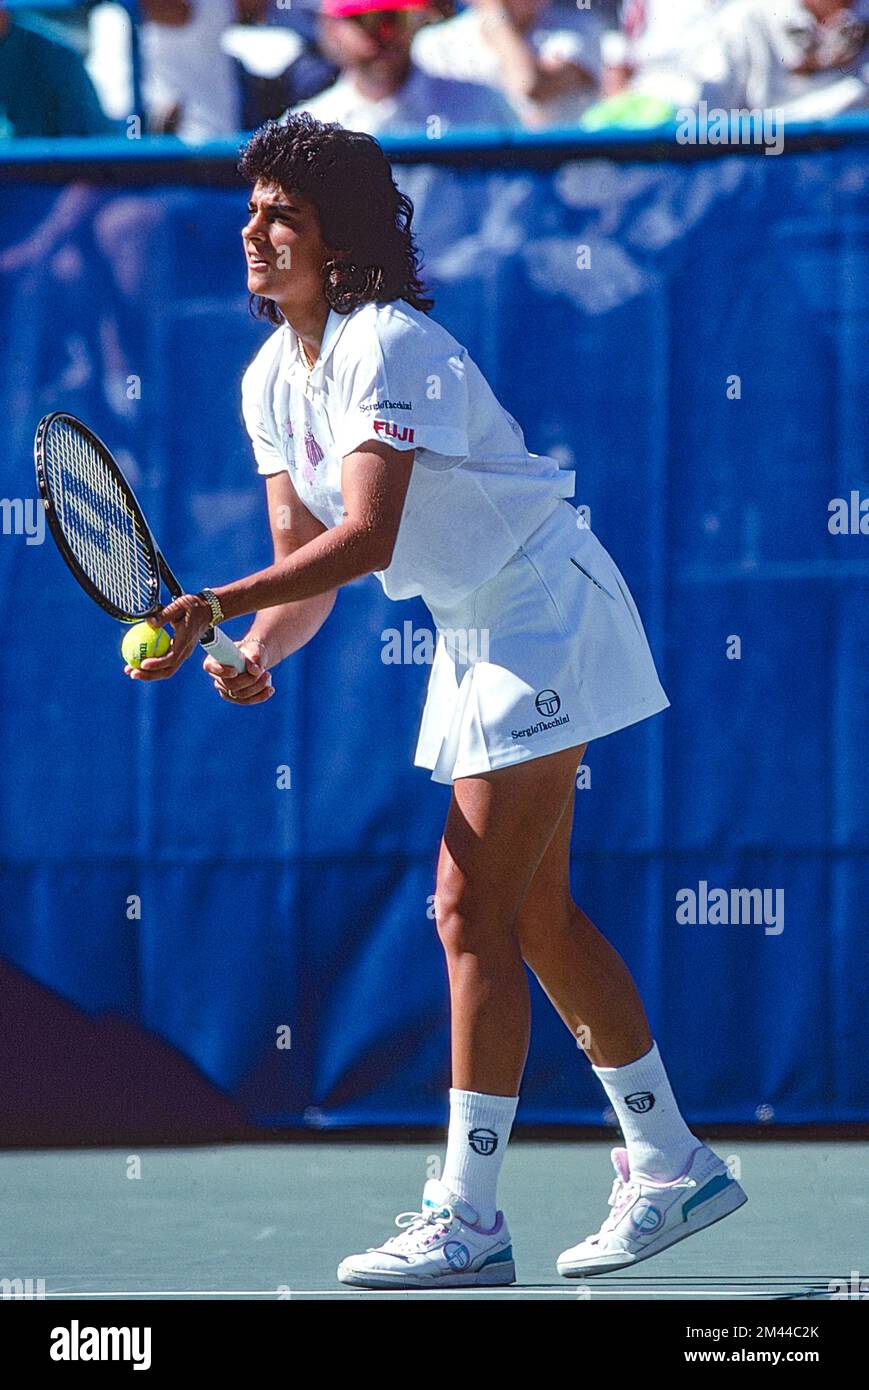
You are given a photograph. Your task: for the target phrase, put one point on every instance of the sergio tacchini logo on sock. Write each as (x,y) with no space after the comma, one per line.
(77,1343)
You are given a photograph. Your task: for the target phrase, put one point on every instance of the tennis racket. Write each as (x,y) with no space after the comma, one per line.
(101,531)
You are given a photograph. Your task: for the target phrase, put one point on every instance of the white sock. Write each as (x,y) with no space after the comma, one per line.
(476,1143)
(658,1141)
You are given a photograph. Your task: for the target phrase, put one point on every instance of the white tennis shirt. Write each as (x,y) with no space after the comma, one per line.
(389,372)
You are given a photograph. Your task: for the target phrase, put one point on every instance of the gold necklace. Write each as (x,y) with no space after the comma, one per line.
(304,351)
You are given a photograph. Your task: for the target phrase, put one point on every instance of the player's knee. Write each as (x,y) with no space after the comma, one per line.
(467,920)
(455,921)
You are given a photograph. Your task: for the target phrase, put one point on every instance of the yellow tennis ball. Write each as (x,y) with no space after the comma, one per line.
(143,640)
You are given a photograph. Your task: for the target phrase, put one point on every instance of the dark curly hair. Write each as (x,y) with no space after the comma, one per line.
(347,177)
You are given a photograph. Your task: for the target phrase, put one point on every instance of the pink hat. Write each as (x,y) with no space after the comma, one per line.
(341,9)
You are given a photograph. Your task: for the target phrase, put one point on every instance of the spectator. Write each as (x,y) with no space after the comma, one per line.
(279,62)
(380,89)
(69,24)
(650,32)
(44,88)
(190,85)
(806,58)
(545,59)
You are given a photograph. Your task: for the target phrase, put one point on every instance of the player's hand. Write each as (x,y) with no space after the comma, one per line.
(190,616)
(252,686)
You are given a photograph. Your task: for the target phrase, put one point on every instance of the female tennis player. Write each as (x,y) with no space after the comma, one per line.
(384,451)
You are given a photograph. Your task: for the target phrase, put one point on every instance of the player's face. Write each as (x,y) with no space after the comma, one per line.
(283,246)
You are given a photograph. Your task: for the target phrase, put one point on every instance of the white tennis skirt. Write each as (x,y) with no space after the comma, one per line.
(548,654)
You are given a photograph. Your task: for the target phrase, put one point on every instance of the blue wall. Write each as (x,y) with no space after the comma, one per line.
(309,907)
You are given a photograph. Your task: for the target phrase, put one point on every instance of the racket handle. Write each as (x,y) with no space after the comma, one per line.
(224,650)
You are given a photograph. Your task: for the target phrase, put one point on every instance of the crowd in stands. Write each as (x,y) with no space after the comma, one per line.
(211,68)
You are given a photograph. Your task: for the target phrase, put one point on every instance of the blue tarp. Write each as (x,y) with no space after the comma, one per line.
(703,365)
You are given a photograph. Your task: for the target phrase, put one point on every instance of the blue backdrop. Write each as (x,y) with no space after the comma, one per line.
(692,336)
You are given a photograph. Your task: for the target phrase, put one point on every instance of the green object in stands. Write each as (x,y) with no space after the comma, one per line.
(630,111)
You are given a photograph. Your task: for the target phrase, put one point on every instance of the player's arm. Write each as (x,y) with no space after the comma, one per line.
(374,482)
(282,630)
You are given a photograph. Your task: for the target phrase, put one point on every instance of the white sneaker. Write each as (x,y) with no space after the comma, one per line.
(647,1217)
(440,1247)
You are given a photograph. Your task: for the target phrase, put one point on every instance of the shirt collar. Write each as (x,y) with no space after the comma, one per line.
(331,332)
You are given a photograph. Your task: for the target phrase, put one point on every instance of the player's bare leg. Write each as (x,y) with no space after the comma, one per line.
(584,976)
(498,827)
(497,832)
(665,1172)
(503,893)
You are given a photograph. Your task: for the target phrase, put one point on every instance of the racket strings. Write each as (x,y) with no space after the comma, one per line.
(101,528)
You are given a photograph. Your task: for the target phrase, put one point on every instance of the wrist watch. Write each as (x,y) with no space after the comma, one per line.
(217,614)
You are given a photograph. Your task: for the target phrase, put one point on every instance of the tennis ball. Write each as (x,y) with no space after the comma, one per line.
(143,641)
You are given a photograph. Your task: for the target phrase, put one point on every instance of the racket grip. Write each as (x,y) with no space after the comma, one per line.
(224,650)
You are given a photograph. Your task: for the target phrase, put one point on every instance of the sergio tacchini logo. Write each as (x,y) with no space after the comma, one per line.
(483,1141)
(640,1102)
(548,702)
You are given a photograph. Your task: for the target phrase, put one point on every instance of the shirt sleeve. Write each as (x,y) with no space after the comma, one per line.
(397,386)
(268,458)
